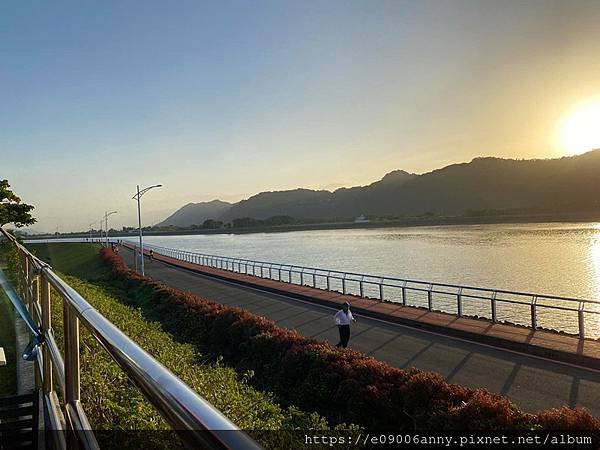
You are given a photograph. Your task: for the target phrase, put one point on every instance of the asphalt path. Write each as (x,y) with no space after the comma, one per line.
(533,383)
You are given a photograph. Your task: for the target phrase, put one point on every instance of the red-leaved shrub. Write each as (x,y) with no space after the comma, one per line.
(342,384)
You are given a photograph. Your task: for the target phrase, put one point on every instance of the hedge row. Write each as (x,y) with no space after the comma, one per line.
(342,384)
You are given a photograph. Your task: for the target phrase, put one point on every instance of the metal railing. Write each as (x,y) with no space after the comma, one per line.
(199,423)
(529,309)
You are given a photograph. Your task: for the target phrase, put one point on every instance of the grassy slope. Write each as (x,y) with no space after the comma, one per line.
(78,260)
(120,405)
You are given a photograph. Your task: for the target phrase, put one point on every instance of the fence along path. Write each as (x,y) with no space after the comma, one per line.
(571,315)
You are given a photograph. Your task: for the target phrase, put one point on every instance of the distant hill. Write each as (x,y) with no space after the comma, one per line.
(196,213)
(568,184)
(307,204)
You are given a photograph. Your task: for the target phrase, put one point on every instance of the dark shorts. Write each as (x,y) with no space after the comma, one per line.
(344,331)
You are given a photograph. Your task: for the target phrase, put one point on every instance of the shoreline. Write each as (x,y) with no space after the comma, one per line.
(400,223)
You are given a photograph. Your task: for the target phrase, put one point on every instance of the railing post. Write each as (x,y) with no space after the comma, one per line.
(580,316)
(430,298)
(302,277)
(381,292)
(279,276)
(360,287)
(261,271)
(314,280)
(344,284)
(35,297)
(27,292)
(290,276)
(328,283)
(459,302)
(534,313)
(71,344)
(47,385)
(404,295)
(493,300)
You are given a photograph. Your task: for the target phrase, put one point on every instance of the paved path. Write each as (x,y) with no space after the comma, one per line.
(531,382)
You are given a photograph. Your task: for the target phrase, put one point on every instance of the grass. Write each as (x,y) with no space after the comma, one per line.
(110,399)
(78,260)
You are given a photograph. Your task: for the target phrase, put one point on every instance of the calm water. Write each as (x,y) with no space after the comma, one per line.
(554,259)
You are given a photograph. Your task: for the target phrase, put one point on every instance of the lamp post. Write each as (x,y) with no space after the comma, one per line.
(138,197)
(106,214)
(91,229)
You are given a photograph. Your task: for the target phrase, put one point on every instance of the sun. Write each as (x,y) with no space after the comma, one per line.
(579,131)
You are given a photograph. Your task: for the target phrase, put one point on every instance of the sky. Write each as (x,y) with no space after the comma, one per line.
(225,99)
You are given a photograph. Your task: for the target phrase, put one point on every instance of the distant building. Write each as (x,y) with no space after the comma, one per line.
(361,219)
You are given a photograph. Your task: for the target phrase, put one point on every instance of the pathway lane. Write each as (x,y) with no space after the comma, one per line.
(532,383)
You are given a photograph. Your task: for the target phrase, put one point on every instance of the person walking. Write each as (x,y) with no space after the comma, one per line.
(342,319)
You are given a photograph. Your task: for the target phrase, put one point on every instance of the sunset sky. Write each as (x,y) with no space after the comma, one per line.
(225,99)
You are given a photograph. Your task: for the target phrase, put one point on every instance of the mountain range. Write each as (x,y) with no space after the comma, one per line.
(567,184)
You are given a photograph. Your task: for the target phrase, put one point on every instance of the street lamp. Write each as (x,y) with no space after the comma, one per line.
(91,229)
(106,214)
(137,197)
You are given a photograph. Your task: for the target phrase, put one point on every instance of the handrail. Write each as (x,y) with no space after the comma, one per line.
(343,273)
(199,424)
(381,286)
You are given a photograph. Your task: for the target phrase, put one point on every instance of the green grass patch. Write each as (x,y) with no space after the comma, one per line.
(76,259)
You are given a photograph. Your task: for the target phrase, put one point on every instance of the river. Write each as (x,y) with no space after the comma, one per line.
(561,259)
(551,258)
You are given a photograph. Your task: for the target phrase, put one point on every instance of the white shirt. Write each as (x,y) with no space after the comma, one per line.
(341,318)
